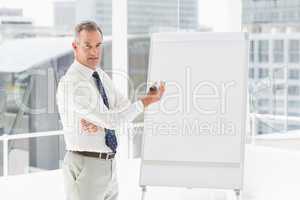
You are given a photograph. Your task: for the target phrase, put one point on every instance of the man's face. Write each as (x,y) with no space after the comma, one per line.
(88,48)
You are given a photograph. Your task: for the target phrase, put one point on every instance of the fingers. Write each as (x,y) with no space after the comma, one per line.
(83,124)
(154,95)
(157,94)
(92,128)
(162,88)
(89,127)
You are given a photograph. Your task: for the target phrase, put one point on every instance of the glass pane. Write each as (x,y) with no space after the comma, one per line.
(263,73)
(270,126)
(294,74)
(28,98)
(294,51)
(293,100)
(278,73)
(2,103)
(293,90)
(293,126)
(252,50)
(153,16)
(261,18)
(263,51)
(1,158)
(251,73)
(268,89)
(294,107)
(278,106)
(146,17)
(270,12)
(106,62)
(278,51)
(138,56)
(35,154)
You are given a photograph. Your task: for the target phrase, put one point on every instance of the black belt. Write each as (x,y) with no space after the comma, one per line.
(105,156)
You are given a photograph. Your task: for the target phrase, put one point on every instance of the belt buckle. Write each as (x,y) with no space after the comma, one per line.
(107,155)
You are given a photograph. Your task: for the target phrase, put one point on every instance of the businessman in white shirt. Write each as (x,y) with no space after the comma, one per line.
(91,109)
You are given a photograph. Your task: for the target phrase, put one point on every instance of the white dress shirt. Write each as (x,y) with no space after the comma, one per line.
(78,98)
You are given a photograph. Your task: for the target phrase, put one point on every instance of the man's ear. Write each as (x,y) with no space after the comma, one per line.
(74,45)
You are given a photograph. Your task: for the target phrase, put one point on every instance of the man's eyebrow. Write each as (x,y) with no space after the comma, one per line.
(90,43)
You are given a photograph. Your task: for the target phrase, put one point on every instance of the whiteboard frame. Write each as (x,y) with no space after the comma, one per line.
(155,173)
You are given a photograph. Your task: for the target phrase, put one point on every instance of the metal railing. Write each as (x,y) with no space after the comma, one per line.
(6,138)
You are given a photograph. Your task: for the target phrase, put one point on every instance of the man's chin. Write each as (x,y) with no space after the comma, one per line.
(93,63)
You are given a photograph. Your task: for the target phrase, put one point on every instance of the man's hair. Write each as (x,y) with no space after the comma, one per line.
(88,26)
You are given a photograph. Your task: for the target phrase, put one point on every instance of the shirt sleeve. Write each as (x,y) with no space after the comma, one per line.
(80,99)
(122,101)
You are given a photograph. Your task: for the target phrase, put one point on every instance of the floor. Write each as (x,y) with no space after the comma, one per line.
(270,174)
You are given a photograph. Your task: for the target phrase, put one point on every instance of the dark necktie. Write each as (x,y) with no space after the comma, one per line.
(110,136)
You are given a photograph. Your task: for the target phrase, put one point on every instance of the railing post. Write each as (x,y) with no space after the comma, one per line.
(5,157)
(253,128)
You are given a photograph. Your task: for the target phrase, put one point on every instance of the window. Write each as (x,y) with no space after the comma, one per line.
(269,126)
(293,126)
(1,159)
(278,89)
(278,73)
(278,47)
(294,104)
(294,51)
(294,74)
(278,106)
(263,51)
(263,102)
(278,103)
(251,73)
(252,50)
(293,107)
(293,90)
(263,72)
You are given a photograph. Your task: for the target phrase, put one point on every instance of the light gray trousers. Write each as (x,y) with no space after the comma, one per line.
(87,178)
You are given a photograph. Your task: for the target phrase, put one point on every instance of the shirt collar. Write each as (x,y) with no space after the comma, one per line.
(84,70)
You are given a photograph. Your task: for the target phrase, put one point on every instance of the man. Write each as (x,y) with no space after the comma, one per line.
(91,108)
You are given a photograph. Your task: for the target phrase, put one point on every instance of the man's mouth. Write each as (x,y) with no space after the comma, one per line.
(93,58)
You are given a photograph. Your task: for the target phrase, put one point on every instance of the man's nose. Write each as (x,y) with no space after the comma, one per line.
(94,52)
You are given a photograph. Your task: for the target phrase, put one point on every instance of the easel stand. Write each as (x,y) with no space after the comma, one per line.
(144,190)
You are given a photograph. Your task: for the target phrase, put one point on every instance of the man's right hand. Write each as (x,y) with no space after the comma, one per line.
(153,96)
(89,127)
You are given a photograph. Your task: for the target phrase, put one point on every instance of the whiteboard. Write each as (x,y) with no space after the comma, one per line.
(194,136)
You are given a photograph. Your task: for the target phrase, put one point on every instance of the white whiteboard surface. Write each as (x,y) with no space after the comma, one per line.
(194,137)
